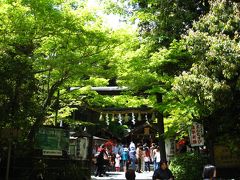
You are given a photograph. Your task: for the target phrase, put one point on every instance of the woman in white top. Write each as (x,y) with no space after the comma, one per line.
(157,157)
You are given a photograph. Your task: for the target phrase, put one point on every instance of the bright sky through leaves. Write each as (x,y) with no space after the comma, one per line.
(109,20)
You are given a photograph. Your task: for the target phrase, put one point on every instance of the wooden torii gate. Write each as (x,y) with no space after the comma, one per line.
(116,90)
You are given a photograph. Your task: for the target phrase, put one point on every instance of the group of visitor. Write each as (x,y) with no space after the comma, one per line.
(131,159)
(127,156)
(137,157)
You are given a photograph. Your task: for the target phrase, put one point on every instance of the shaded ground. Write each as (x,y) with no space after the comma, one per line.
(121,176)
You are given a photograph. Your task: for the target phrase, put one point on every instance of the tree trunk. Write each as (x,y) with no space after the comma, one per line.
(40,118)
(161,129)
(211,140)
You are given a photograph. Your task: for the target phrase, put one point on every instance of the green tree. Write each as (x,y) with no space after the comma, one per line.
(164,21)
(212,83)
(64,43)
(17,91)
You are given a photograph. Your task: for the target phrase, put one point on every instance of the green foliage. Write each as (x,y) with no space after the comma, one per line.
(50,45)
(223,18)
(187,166)
(64,42)
(213,77)
(17,91)
(118,101)
(118,131)
(212,83)
(165,20)
(179,115)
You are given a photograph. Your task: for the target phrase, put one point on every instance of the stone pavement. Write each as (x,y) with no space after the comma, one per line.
(121,176)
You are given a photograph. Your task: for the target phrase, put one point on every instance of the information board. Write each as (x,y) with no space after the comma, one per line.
(51,140)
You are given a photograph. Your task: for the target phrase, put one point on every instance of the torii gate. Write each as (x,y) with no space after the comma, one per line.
(116,90)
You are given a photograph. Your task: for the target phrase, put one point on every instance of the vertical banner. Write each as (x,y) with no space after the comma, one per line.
(196,133)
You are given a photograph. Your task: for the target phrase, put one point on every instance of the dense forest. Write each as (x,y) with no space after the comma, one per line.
(187,50)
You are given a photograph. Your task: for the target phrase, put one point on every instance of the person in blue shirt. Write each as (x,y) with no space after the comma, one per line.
(125,158)
(163,173)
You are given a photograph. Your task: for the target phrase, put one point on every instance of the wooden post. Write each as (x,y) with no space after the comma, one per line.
(57,108)
(211,138)
(8,158)
(160,125)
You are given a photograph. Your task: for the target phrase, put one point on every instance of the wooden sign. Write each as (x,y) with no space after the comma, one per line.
(196,134)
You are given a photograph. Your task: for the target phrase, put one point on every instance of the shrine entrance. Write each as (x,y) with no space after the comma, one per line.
(132,119)
(140,123)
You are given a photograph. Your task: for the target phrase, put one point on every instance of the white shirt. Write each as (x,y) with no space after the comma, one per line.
(157,156)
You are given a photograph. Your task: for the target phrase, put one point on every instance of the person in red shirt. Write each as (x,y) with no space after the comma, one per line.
(147,158)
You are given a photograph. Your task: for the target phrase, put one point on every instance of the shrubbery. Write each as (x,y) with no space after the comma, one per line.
(187,166)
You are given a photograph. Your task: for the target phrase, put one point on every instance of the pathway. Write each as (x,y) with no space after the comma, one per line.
(121,176)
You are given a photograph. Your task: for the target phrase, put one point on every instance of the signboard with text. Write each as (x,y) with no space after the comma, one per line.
(52,152)
(196,134)
(51,140)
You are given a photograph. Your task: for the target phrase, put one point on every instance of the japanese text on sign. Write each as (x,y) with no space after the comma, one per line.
(196,134)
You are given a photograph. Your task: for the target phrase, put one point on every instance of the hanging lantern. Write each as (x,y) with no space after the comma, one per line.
(101,117)
(107,119)
(126,118)
(113,119)
(120,119)
(133,118)
(139,117)
(146,117)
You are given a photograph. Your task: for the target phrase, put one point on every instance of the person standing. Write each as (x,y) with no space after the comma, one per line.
(132,155)
(117,162)
(100,161)
(138,156)
(142,159)
(147,158)
(125,158)
(157,158)
(162,173)
(152,147)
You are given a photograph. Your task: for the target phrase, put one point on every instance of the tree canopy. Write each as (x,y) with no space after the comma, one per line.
(186,50)
(55,45)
